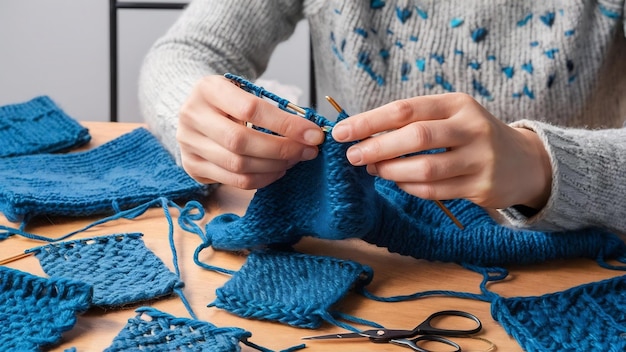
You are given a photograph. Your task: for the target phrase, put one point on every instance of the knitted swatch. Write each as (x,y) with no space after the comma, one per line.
(35,311)
(38,126)
(121,269)
(164,332)
(589,317)
(329,198)
(292,288)
(122,173)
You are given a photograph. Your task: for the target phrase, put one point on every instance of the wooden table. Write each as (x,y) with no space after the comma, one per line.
(393,275)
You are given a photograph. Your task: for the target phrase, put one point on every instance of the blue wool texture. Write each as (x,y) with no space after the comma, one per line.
(127,171)
(319,198)
(121,269)
(590,317)
(153,330)
(35,311)
(38,126)
(292,288)
(329,198)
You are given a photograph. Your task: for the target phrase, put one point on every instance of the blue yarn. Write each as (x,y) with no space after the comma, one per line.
(292,288)
(130,170)
(121,269)
(36,311)
(38,126)
(590,317)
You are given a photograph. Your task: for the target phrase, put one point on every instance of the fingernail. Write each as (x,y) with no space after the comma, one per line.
(340,132)
(354,156)
(314,136)
(371,169)
(309,153)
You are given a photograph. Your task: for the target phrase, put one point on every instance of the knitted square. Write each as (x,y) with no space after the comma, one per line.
(590,317)
(121,269)
(38,126)
(35,311)
(164,332)
(292,288)
(127,171)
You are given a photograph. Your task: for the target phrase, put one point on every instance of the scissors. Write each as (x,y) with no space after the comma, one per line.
(425,330)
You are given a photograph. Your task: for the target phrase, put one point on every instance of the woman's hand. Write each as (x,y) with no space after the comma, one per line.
(486,161)
(216,145)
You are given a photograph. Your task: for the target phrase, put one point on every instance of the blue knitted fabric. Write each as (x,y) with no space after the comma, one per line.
(121,269)
(164,332)
(292,288)
(38,126)
(318,198)
(34,311)
(590,317)
(416,227)
(127,171)
(329,198)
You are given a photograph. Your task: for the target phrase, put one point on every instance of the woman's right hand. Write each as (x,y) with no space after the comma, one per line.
(216,145)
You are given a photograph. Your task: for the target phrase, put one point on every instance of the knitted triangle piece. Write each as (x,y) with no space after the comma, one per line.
(292,288)
(38,126)
(127,171)
(121,269)
(590,317)
(329,198)
(35,311)
(153,330)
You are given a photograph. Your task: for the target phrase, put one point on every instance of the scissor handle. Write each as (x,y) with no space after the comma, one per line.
(427,328)
(413,343)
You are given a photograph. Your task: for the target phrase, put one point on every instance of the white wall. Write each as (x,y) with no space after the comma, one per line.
(60,48)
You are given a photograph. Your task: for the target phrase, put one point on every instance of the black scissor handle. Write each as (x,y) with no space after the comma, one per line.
(426,327)
(413,343)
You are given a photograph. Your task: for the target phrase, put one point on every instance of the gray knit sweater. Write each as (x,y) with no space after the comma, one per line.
(556,67)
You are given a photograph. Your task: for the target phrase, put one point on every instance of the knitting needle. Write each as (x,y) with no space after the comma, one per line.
(439,204)
(15,257)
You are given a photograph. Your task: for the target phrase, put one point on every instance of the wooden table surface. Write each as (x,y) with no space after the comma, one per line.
(393,275)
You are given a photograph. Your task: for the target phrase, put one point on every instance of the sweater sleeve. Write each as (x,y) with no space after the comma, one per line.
(588,184)
(210,37)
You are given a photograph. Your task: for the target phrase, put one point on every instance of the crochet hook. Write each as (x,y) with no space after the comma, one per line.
(439,204)
(15,257)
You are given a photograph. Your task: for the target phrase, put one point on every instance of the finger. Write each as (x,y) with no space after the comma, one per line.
(426,167)
(237,163)
(239,139)
(393,116)
(259,112)
(450,188)
(412,138)
(197,168)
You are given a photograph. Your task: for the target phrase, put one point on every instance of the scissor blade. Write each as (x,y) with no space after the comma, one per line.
(335,336)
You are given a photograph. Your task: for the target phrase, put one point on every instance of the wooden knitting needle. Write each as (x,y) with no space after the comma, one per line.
(15,257)
(439,204)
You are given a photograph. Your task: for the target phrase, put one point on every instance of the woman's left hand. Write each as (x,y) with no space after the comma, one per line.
(486,161)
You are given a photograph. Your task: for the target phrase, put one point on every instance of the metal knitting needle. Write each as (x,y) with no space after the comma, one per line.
(439,204)
(15,257)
